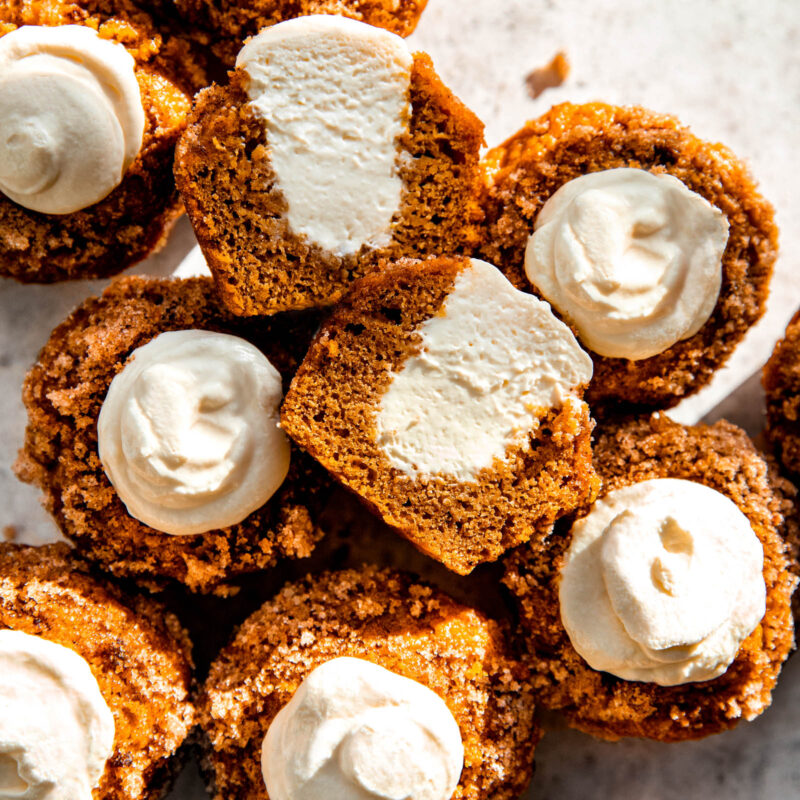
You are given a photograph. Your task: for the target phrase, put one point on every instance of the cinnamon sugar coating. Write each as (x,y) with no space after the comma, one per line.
(64,392)
(224,174)
(330,412)
(572,140)
(781,379)
(722,457)
(135,218)
(138,653)
(384,617)
(229,22)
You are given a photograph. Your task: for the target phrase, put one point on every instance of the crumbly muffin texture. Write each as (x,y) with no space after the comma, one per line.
(64,392)
(570,140)
(781,379)
(384,617)
(136,217)
(330,411)
(138,653)
(229,22)
(224,174)
(723,458)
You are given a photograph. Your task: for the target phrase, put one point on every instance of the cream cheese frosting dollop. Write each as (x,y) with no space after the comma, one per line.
(333,93)
(189,433)
(490,365)
(357,731)
(631,259)
(56,730)
(71,117)
(662,582)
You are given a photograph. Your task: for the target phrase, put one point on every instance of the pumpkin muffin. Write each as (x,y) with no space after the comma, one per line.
(227,23)
(111,96)
(189,440)
(130,664)
(419,636)
(693,691)
(653,244)
(393,170)
(449,402)
(781,379)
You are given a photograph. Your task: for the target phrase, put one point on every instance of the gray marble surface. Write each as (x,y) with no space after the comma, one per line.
(728,68)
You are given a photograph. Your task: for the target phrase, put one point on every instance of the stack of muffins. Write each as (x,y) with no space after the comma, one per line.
(478,348)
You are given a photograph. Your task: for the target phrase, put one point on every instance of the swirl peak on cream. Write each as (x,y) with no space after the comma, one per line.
(56,730)
(189,433)
(632,259)
(71,117)
(662,582)
(357,731)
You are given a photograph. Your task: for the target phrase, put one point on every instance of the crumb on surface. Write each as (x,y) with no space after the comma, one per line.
(553,74)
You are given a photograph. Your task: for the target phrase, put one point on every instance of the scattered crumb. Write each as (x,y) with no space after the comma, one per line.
(10,533)
(549,76)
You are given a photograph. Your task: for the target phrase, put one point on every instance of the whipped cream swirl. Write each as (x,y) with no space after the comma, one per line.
(662,582)
(356,731)
(56,730)
(71,117)
(631,259)
(189,432)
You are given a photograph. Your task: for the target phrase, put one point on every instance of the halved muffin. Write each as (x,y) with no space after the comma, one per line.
(449,402)
(331,150)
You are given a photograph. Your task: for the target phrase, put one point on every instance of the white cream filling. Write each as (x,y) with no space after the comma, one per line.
(357,731)
(189,432)
(56,730)
(662,582)
(333,94)
(490,365)
(632,259)
(71,117)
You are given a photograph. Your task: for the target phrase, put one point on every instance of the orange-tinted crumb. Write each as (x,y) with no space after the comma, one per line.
(573,140)
(63,394)
(228,23)
(723,458)
(137,651)
(384,617)
(553,74)
(136,217)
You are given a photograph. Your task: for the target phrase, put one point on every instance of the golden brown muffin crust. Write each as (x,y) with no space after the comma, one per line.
(384,617)
(135,218)
(224,174)
(138,653)
(230,22)
(330,411)
(572,140)
(721,457)
(781,379)
(64,392)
